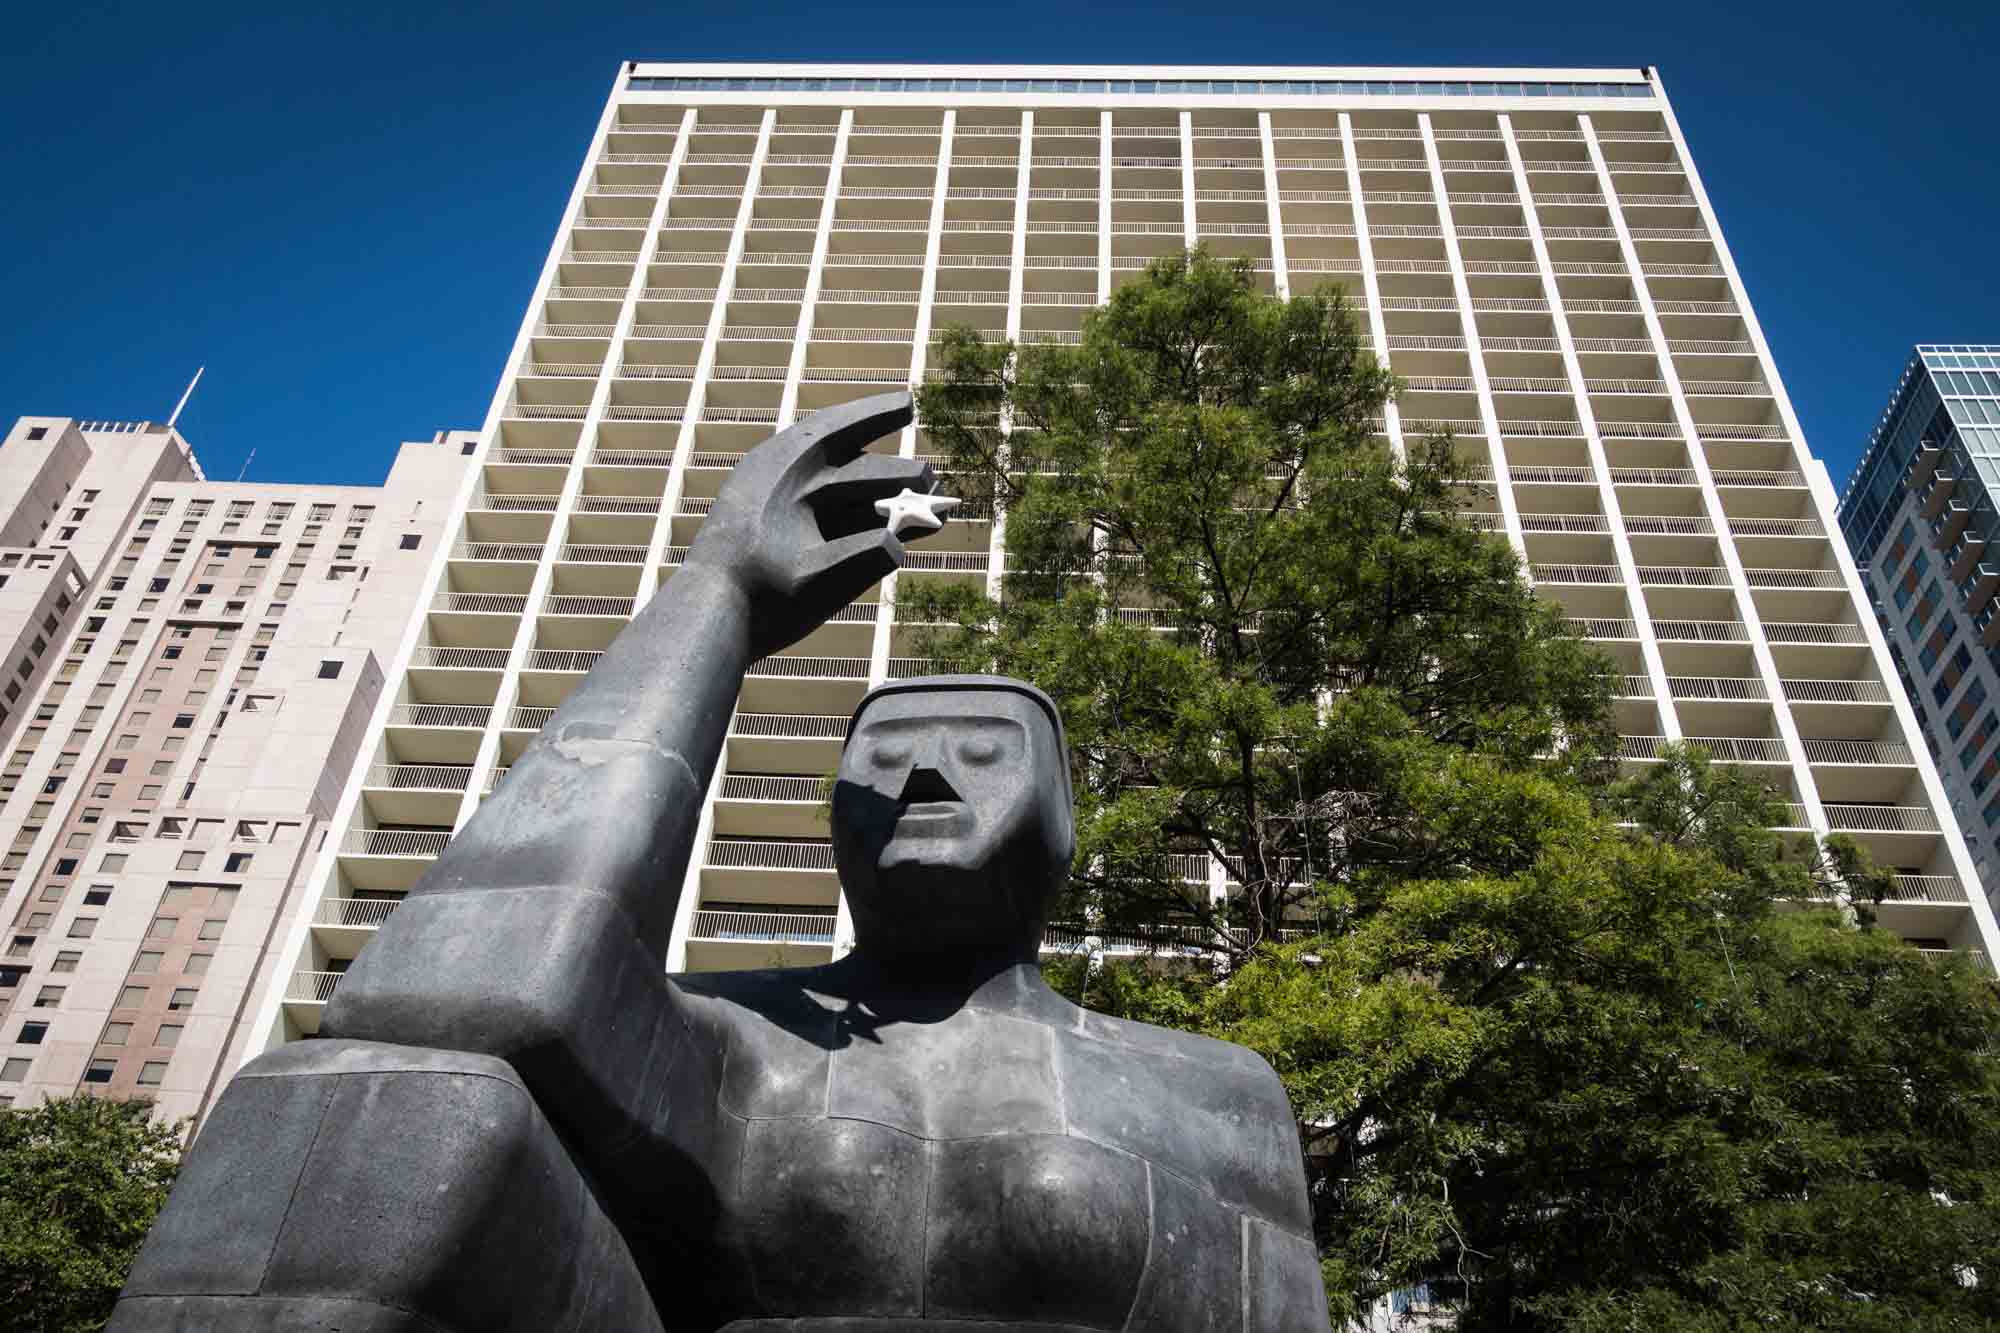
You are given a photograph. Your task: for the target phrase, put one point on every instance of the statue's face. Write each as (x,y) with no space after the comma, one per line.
(951,820)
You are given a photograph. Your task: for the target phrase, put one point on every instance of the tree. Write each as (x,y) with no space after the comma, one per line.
(1573,1053)
(1250,613)
(81,1178)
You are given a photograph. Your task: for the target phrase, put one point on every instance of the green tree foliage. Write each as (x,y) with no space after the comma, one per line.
(81,1178)
(1574,1053)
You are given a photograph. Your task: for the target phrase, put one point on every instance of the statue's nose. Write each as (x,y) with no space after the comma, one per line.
(926,783)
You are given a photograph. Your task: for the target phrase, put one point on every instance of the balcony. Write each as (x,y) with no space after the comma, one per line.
(726,940)
(342,925)
(771,805)
(306,994)
(415,793)
(389,858)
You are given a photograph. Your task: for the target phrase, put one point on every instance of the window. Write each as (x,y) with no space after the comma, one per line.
(182,721)
(162,927)
(147,961)
(182,998)
(116,1034)
(49,997)
(38,432)
(32,1033)
(97,895)
(468,446)
(152,1073)
(189,861)
(237,863)
(212,930)
(66,961)
(410,541)
(14,1070)
(197,964)
(83,927)
(66,865)
(329,670)
(100,1071)
(132,997)
(169,1035)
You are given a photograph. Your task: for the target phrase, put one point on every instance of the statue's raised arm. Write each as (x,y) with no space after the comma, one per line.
(540,934)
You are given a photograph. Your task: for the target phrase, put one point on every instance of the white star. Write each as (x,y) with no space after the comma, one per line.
(911,510)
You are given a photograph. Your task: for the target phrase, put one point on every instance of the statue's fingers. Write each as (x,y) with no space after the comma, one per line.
(843,498)
(835,435)
(834,573)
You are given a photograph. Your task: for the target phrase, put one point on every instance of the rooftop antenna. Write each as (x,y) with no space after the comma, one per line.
(185,396)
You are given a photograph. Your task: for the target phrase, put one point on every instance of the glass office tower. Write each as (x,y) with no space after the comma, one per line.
(1531,250)
(1918,514)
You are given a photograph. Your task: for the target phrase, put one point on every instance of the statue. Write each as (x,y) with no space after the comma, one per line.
(516,1119)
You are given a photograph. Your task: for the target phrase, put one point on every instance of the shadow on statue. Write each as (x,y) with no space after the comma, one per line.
(517,1120)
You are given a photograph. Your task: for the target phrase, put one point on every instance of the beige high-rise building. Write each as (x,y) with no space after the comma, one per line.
(1532,250)
(191,671)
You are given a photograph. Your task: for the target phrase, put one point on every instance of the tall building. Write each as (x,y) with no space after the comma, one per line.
(1918,514)
(1531,250)
(191,671)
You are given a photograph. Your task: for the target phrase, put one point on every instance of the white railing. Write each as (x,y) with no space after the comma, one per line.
(790,726)
(617,504)
(573,604)
(484,603)
(1836,691)
(459,659)
(1724,749)
(1926,889)
(532,457)
(811,668)
(1576,573)
(1779,631)
(439,715)
(1857,752)
(1634,687)
(394,842)
(602,555)
(1793,578)
(563,659)
(1668,525)
(525,552)
(529,718)
(358,912)
(312,987)
(764,854)
(1881,818)
(1603,627)
(520,503)
(1776,527)
(763,787)
(776,927)
(1702,631)
(1717,687)
(420,777)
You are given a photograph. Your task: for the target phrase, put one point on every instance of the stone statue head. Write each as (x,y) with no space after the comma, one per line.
(952,818)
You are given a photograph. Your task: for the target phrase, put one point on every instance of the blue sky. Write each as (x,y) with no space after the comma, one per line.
(341,211)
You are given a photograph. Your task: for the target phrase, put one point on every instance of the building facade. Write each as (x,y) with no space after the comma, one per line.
(198,664)
(1532,251)
(1918,514)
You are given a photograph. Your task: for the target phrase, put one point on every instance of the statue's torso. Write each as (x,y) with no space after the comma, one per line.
(1016,1161)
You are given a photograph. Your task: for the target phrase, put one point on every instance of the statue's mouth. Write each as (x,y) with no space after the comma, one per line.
(933,819)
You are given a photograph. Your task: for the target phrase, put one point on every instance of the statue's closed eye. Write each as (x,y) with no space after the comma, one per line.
(890,754)
(979,749)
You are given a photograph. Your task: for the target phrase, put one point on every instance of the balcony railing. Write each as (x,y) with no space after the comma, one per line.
(758,787)
(1881,818)
(394,842)
(365,913)
(312,987)
(776,927)
(760,854)
(439,715)
(811,668)
(1926,889)
(563,659)
(1836,691)
(525,552)
(574,604)
(1726,749)
(790,726)
(420,777)
(1717,687)
(481,603)
(529,718)
(459,659)
(1857,752)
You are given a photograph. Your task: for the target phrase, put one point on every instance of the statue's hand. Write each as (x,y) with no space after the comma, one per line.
(795,526)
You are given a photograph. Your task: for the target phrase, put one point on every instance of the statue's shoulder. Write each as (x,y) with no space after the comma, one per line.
(1212,1112)
(1149,1041)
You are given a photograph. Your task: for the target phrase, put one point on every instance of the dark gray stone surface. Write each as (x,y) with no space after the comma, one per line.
(518,1121)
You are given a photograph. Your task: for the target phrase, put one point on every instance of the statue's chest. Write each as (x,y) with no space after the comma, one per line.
(975,1073)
